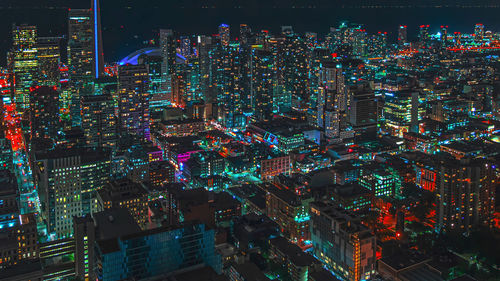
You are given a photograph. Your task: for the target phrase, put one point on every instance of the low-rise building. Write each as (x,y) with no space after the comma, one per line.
(184,127)
(289,210)
(297,262)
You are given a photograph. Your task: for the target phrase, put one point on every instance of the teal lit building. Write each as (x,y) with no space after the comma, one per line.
(156,252)
(5,153)
(379,182)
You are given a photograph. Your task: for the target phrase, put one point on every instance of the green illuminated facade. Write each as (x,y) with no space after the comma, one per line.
(379,182)
(23,63)
(67,180)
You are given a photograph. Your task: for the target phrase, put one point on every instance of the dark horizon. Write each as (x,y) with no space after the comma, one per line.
(128,25)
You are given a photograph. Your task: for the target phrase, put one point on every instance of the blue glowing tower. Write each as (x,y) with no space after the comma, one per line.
(98,53)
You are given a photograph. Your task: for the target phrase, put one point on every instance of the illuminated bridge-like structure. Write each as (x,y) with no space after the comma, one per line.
(150,51)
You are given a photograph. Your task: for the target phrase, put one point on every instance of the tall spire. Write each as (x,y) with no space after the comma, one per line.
(98,51)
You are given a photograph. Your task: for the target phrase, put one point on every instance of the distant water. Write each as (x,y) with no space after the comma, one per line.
(125,30)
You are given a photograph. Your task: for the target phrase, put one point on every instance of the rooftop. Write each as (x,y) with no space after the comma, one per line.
(121,190)
(205,273)
(322,275)
(402,260)
(422,273)
(250,272)
(347,222)
(293,252)
(352,190)
(114,222)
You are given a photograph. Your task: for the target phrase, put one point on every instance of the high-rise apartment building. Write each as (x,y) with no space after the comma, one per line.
(204,44)
(262,68)
(168,53)
(226,82)
(291,69)
(479,33)
(332,100)
(465,190)
(402,35)
(133,100)
(224,34)
(444,35)
(99,121)
(423,34)
(44,112)
(159,99)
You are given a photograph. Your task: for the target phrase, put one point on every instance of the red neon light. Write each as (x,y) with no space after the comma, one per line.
(473,48)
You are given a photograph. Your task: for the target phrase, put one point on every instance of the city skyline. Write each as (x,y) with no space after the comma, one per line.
(186,142)
(122,38)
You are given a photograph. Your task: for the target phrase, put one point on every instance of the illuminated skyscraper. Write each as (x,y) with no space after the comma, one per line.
(333,39)
(378,44)
(185,46)
(23,63)
(80,42)
(85,53)
(85,42)
(401,112)
(262,67)
(424,34)
(318,55)
(457,38)
(354,36)
(168,54)
(204,46)
(332,102)
(44,112)
(291,69)
(224,34)
(80,45)
(133,100)
(99,121)
(186,83)
(360,42)
(479,33)
(158,96)
(245,34)
(363,111)
(98,53)
(178,96)
(444,35)
(402,35)
(49,61)
(226,82)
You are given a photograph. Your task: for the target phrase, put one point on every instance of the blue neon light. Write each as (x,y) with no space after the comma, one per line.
(95,41)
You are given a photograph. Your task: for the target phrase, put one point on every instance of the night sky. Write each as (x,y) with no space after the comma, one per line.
(127,24)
